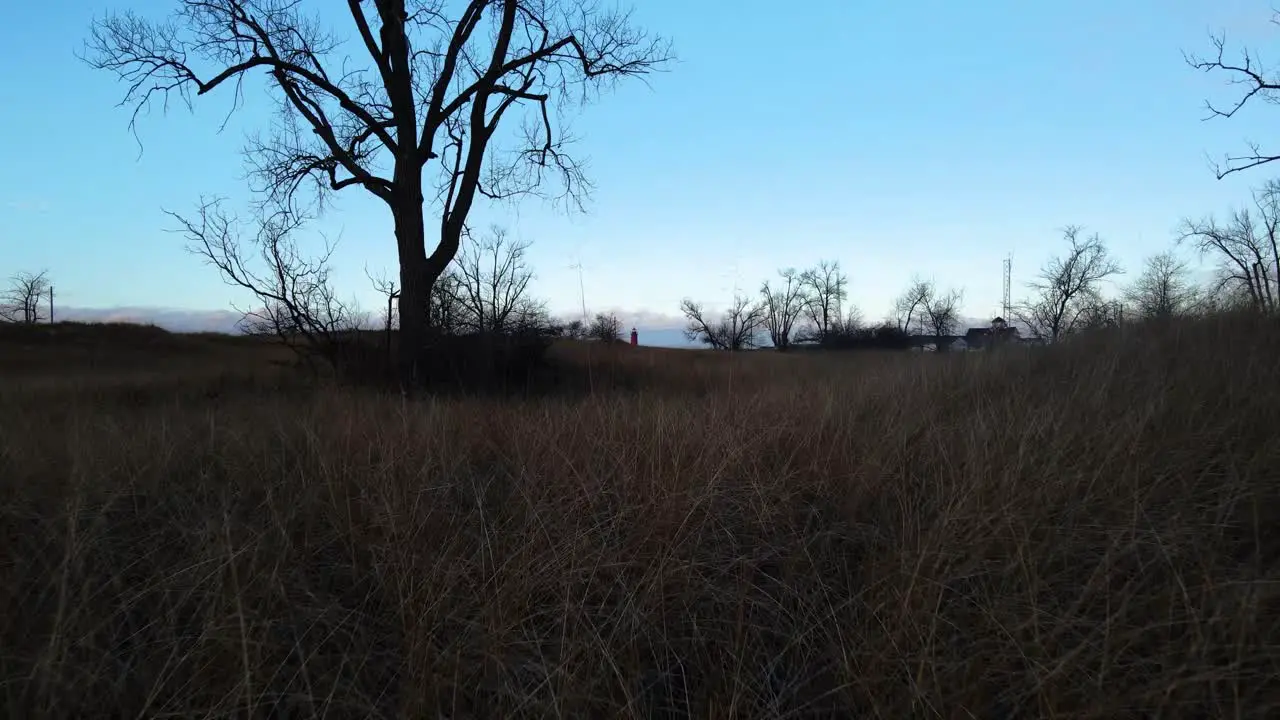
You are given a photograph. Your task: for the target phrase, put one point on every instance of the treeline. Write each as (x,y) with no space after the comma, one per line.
(486,290)
(1067,296)
(800,308)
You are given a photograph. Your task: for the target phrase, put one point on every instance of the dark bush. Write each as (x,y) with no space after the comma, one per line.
(487,363)
(881,337)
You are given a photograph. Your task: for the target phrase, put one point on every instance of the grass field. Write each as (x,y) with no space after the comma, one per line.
(1082,531)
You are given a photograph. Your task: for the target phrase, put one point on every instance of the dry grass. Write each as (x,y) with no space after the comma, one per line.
(1081,532)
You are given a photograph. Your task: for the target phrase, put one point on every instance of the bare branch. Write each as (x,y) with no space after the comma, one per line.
(1257,81)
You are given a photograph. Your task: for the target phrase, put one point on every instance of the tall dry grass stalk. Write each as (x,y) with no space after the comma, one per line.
(1087,531)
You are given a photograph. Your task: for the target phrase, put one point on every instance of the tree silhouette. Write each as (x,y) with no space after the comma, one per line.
(23,301)
(465,89)
(1067,290)
(782,306)
(1164,289)
(734,330)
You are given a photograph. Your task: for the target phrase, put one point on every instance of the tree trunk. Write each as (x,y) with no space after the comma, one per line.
(415,291)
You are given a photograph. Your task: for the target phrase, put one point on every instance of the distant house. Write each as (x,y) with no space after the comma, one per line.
(998,333)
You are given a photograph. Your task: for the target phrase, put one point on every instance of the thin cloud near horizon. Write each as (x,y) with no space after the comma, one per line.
(227,321)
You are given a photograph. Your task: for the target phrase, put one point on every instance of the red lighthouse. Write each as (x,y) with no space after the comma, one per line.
(635,338)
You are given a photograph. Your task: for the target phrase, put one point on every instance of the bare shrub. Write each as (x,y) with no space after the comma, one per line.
(605,327)
(294,298)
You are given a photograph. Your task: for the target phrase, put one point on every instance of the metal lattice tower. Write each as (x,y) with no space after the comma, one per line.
(1007,307)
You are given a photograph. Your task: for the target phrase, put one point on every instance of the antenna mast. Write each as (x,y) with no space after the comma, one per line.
(582,288)
(1007,306)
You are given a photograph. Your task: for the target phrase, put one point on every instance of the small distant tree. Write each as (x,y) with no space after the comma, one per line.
(448,315)
(734,330)
(26,299)
(782,305)
(1068,287)
(1101,314)
(910,307)
(1164,289)
(493,284)
(387,288)
(849,324)
(605,327)
(924,309)
(574,329)
(942,314)
(825,289)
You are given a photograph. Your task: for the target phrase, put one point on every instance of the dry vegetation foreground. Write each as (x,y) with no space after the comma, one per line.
(1087,531)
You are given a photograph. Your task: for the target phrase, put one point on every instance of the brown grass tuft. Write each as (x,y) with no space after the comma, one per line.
(1086,531)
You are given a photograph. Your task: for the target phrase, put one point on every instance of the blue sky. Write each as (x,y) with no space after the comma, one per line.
(899,138)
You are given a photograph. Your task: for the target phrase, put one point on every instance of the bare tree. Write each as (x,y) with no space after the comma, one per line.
(1247,248)
(24,300)
(941,314)
(388,289)
(574,329)
(1100,313)
(909,309)
(493,284)
(1068,287)
(735,329)
(848,325)
(1164,289)
(1256,80)
(448,316)
(438,82)
(825,288)
(605,327)
(294,297)
(782,306)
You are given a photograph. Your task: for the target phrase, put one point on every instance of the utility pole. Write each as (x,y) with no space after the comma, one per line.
(50,303)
